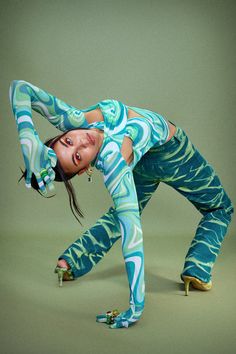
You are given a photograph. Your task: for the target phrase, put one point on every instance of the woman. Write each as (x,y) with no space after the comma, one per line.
(135,149)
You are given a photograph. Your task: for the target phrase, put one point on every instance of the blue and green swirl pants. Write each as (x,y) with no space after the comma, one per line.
(180,165)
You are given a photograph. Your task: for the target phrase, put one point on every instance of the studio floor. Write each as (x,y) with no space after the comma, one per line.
(38,317)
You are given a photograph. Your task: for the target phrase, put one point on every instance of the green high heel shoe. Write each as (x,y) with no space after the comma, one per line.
(196,283)
(63,274)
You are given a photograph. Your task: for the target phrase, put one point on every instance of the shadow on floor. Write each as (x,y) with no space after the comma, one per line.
(154,283)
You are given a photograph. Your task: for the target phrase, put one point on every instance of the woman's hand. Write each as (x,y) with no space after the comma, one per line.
(124,319)
(39,160)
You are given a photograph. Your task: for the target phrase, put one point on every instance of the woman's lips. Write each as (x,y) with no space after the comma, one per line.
(91,139)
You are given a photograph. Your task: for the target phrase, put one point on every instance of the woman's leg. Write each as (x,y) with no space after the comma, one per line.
(184,169)
(94,244)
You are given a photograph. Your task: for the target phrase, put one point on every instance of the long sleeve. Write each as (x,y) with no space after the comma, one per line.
(119,181)
(38,158)
(25,96)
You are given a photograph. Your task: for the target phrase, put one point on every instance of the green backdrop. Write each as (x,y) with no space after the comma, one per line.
(174,57)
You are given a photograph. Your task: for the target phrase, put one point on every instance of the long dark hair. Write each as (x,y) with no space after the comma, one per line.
(60,176)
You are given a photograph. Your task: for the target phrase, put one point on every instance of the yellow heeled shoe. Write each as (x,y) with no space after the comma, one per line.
(63,274)
(196,283)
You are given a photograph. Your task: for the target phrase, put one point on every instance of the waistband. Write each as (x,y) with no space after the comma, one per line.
(178,134)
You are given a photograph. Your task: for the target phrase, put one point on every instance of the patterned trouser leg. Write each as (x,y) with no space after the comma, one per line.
(179,164)
(94,244)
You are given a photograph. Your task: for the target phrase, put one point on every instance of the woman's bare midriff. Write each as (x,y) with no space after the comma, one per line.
(172,129)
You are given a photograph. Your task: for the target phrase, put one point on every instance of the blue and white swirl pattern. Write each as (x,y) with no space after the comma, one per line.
(151,130)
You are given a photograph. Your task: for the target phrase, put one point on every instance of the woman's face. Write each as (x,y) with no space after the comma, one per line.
(77,149)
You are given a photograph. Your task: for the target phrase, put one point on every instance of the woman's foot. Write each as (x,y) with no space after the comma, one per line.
(196,283)
(63,271)
(63,264)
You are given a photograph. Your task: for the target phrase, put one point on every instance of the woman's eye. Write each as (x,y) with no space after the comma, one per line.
(77,155)
(68,141)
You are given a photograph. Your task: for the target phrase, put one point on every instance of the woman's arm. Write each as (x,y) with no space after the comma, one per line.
(120,184)
(60,114)
(38,158)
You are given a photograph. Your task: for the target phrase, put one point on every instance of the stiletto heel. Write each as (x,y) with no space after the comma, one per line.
(196,283)
(60,272)
(186,286)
